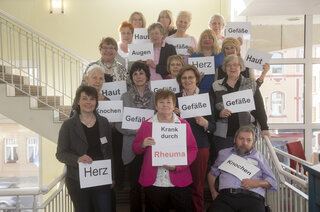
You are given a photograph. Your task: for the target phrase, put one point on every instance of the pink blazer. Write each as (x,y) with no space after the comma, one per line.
(180,177)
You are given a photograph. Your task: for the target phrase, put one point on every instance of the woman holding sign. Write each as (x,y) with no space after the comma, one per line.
(95,78)
(188,79)
(84,138)
(228,122)
(139,96)
(208,46)
(232,46)
(162,50)
(183,23)
(166,184)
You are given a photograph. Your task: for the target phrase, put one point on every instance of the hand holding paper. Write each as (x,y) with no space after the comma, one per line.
(201,121)
(225,113)
(148,141)
(85,159)
(170,168)
(254,183)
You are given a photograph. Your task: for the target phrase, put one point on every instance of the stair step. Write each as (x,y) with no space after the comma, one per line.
(34,90)
(50,100)
(15,79)
(66,110)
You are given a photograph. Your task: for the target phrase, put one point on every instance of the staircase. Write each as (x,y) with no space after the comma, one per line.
(38,78)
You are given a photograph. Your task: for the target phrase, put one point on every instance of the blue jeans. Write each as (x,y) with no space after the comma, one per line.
(96,199)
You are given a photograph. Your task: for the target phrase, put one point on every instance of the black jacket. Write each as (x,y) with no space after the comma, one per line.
(72,143)
(165,52)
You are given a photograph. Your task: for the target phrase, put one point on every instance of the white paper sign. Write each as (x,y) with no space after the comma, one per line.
(171,144)
(141,51)
(112,110)
(255,59)
(195,105)
(133,117)
(238,29)
(204,64)
(168,84)
(95,174)
(239,101)
(140,35)
(239,167)
(181,44)
(114,90)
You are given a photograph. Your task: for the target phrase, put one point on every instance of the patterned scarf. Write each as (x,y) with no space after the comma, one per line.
(141,101)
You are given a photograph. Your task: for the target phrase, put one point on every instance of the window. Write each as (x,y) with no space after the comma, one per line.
(278,34)
(11,150)
(285,92)
(32,150)
(277,69)
(316,37)
(277,103)
(315,93)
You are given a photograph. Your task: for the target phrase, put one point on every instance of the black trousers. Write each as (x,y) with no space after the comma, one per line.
(135,194)
(236,203)
(162,198)
(95,199)
(117,151)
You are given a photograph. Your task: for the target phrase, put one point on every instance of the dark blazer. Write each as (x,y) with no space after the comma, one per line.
(198,131)
(72,143)
(165,52)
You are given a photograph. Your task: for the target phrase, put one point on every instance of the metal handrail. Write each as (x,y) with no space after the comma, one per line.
(292,157)
(42,36)
(44,189)
(283,173)
(38,67)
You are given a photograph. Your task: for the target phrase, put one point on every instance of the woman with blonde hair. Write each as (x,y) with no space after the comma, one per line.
(183,23)
(166,19)
(138,20)
(232,46)
(174,64)
(208,46)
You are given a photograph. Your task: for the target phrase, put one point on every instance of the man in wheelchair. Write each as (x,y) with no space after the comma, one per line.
(244,175)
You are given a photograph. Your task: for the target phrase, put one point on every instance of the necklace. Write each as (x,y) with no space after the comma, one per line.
(90,122)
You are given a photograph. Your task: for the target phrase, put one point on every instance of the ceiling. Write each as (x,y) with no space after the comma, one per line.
(282,7)
(280,12)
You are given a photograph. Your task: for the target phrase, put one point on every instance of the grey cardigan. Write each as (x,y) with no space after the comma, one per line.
(72,143)
(129,135)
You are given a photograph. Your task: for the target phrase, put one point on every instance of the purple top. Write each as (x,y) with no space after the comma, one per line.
(227,180)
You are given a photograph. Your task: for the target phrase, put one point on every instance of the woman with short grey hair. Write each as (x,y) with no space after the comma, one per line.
(162,50)
(228,122)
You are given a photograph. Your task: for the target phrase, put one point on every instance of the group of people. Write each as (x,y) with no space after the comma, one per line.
(86,136)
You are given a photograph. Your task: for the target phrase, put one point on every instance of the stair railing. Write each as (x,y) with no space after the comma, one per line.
(32,64)
(292,191)
(53,197)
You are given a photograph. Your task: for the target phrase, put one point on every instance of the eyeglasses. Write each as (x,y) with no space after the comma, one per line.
(107,48)
(235,65)
(188,78)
